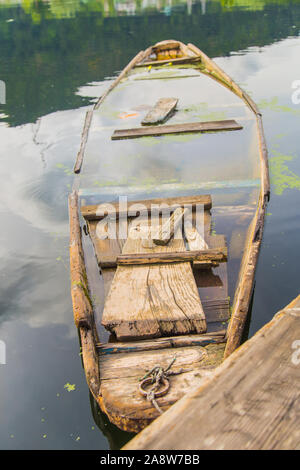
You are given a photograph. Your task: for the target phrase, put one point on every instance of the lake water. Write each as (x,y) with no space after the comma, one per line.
(56,57)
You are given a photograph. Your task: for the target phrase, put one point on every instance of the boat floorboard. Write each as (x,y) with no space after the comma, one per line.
(151,301)
(120,374)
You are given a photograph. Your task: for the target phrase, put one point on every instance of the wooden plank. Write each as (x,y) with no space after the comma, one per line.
(153,300)
(160,112)
(106,249)
(179,60)
(204,256)
(252,401)
(209,126)
(133,208)
(167,230)
(84,137)
(195,242)
(162,343)
(120,374)
(194,239)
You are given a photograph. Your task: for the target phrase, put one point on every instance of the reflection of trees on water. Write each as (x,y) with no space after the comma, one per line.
(44,59)
(39,9)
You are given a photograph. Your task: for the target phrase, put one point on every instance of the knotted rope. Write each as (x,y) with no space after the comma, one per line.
(158,377)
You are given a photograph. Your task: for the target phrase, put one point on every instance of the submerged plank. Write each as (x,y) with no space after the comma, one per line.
(251,402)
(161,111)
(153,300)
(162,343)
(204,256)
(167,230)
(133,208)
(209,126)
(194,239)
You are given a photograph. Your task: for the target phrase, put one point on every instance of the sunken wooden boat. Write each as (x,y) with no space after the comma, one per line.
(166,222)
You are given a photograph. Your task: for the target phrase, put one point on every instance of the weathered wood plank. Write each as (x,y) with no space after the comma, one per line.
(167,230)
(179,60)
(201,256)
(151,301)
(133,208)
(107,249)
(209,126)
(252,401)
(120,374)
(194,239)
(84,137)
(162,343)
(160,112)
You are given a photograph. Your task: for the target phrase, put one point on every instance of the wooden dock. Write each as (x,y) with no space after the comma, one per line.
(251,401)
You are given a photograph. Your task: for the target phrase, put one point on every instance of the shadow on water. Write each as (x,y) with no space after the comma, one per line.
(116,438)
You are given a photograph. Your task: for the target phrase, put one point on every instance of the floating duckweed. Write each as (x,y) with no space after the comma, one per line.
(68,171)
(273,105)
(69,387)
(281,177)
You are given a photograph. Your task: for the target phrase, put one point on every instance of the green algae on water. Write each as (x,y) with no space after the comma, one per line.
(273,105)
(69,387)
(281,176)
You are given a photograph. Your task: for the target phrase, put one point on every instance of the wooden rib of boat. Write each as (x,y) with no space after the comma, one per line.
(163,281)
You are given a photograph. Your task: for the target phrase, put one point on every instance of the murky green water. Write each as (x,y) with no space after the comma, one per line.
(55,58)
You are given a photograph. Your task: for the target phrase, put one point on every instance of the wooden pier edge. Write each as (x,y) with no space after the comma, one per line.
(251,401)
(82,305)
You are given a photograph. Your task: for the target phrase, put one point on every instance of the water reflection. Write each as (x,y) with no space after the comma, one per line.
(55,58)
(54,55)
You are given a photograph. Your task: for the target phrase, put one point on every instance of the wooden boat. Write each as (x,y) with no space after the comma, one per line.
(160,303)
